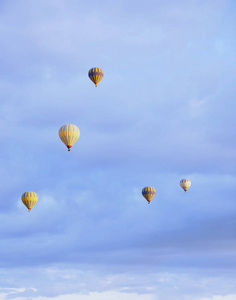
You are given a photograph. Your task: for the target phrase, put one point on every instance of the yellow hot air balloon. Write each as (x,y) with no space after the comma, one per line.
(29,199)
(69,134)
(148,193)
(185,184)
(96,75)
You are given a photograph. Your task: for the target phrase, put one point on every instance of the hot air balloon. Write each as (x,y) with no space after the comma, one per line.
(29,199)
(185,184)
(69,134)
(95,74)
(148,193)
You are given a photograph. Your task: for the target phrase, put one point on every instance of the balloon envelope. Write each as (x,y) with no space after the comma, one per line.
(148,193)
(69,134)
(96,75)
(29,199)
(185,184)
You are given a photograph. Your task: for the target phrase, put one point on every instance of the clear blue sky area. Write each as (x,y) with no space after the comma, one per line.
(165,110)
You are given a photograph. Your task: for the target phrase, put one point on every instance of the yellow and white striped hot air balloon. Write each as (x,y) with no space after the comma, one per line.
(96,75)
(29,199)
(148,193)
(69,134)
(185,184)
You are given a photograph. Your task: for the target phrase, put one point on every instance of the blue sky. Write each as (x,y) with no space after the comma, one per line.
(165,110)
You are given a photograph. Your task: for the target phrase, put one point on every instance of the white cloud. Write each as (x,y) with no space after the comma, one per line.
(90,296)
(219,297)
